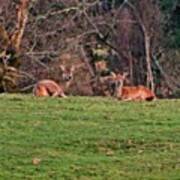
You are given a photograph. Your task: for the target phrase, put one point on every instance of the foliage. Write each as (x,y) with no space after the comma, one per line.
(88,138)
(171,10)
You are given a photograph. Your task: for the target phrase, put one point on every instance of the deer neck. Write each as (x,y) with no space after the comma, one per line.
(119,87)
(67,84)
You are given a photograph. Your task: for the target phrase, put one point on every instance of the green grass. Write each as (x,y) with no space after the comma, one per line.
(89,138)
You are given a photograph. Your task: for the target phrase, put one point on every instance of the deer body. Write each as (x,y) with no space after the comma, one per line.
(128,93)
(48,88)
(132,93)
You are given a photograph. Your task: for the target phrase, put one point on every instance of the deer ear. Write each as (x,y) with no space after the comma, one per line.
(113,74)
(73,68)
(62,67)
(125,74)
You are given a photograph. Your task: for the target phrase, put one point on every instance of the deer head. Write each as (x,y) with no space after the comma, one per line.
(67,72)
(118,83)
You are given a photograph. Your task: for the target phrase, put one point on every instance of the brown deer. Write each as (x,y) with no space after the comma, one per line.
(74,68)
(48,87)
(67,74)
(131,93)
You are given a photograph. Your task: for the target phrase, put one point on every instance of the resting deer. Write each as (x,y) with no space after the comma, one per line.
(49,87)
(131,93)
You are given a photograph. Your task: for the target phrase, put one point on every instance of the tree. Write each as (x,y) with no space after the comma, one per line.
(10,49)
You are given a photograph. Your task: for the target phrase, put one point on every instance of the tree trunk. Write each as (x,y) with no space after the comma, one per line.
(10,48)
(150,79)
(131,67)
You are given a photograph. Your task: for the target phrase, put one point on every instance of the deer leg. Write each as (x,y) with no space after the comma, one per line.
(55,94)
(62,95)
(59,94)
(127,99)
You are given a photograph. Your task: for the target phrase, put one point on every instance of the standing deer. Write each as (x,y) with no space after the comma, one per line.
(131,93)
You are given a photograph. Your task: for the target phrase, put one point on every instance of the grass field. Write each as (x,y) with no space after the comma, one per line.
(88,138)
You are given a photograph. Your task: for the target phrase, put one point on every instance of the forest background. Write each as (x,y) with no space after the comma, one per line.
(139,37)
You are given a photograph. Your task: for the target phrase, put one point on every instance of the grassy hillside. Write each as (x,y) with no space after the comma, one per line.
(88,138)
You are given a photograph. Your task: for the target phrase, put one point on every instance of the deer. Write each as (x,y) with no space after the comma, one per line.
(67,74)
(48,87)
(131,93)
